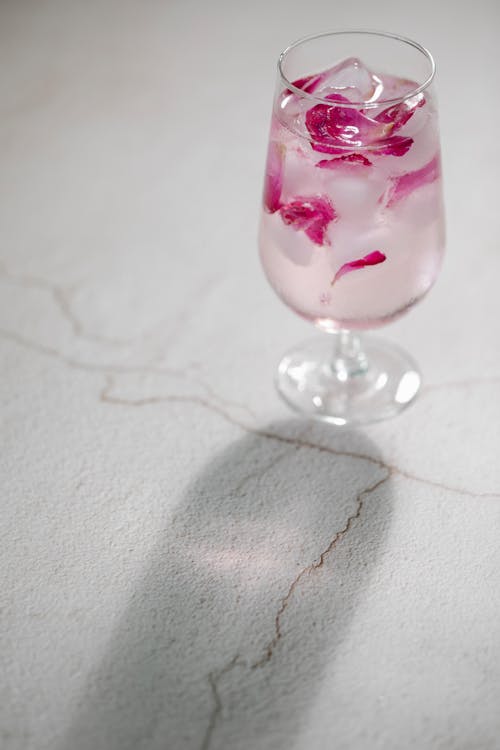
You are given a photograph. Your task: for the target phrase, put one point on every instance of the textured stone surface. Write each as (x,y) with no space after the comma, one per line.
(186,566)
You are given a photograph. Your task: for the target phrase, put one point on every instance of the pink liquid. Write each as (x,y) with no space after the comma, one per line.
(323,213)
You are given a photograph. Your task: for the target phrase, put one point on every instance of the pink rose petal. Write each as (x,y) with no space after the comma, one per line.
(310,214)
(399,114)
(372,259)
(309,83)
(334,127)
(397,145)
(405,184)
(273,180)
(347,159)
(327,148)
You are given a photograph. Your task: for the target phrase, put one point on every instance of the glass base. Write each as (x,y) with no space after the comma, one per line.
(348,380)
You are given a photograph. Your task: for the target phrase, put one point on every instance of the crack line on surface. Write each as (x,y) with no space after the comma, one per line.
(440,485)
(60,295)
(106,369)
(106,397)
(213,681)
(257,474)
(215,677)
(486,380)
(298,442)
(312,567)
(76,364)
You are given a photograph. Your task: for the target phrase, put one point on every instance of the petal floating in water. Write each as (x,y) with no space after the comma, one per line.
(397,145)
(407,183)
(309,84)
(347,159)
(338,126)
(372,259)
(399,114)
(311,214)
(273,180)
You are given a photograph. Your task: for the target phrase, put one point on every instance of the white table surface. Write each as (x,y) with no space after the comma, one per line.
(163,515)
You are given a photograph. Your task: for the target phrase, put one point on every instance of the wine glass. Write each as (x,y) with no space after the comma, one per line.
(352,226)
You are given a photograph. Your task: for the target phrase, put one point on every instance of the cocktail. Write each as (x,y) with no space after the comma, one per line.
(352,227)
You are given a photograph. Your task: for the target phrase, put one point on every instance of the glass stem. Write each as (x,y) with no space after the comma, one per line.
(349,359)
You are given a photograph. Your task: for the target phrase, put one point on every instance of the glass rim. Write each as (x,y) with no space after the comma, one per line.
(365,104)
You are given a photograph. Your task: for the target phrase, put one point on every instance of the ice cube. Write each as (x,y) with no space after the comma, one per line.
(351,78)
(394,87)
(354,196)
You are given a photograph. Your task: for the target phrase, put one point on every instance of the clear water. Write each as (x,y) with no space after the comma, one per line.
(365,187)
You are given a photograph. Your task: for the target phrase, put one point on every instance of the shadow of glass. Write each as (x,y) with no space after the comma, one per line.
(249,592)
